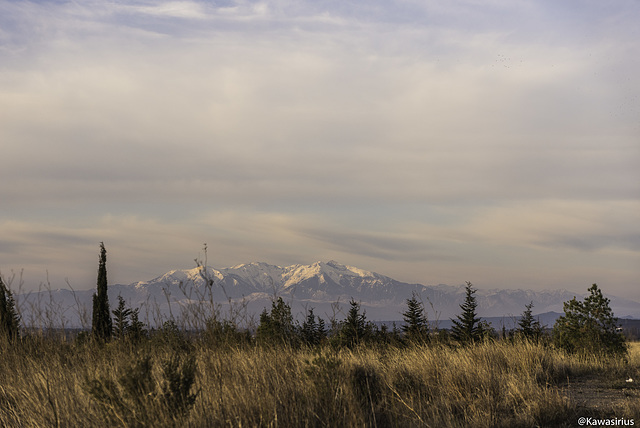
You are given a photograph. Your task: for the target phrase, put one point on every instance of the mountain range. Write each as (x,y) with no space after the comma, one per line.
(327,287)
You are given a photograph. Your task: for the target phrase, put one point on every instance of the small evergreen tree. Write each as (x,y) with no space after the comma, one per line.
(101,317)
(589,326)
(277,325)
(172,335)
(528,326)
(466,327)
(312,332)
(354,329)
(9,318)
(180,375)
(308,329)
(136,330)
(322,331)
(416,326)
(121,317)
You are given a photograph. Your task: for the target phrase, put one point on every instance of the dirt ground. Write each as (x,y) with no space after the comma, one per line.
(601,395)
(608,397)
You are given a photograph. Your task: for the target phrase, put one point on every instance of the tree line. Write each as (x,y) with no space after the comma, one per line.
(586,326)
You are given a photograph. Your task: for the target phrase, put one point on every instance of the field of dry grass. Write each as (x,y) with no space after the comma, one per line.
(47,382)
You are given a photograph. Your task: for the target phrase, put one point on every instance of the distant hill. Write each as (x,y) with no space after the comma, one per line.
(325,286)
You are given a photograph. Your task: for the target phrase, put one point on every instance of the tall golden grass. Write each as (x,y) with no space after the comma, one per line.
(47,382)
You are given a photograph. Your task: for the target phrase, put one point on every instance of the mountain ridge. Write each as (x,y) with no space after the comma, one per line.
(325,286)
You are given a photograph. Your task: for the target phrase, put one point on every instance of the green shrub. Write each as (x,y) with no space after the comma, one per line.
(589,327)
(179,377)
(130,398)
(135,398)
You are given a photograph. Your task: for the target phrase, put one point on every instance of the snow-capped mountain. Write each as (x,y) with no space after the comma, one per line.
(246,289)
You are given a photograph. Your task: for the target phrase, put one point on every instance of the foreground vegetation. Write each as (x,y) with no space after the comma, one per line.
(338,374)
(173,380)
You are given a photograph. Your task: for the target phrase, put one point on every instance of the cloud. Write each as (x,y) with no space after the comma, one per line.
(576,225)
(297,130)
(387,245)
(515,246)
(175,9)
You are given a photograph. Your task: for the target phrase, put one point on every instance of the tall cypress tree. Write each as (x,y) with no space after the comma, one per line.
(9,318)
(101,326)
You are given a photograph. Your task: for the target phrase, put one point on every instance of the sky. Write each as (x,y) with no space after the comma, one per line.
(496,142)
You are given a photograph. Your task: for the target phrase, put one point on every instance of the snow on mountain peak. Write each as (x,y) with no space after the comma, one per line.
(334,266)
(267,277)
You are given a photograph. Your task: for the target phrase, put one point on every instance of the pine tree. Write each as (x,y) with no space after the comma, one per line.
(136,330)
(529,327)
(354,328)
(101,326)
(467,328)
(121,316)
(312,332)
(277,325)
(9,318)
(589,326)
(416,326)
(321,332)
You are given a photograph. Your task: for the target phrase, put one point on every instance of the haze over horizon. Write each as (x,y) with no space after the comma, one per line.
(432,142)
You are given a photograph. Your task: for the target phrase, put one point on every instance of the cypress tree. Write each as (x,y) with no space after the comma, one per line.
(101,326)
(9,318)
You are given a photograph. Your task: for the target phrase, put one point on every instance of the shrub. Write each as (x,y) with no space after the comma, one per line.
(224,333)
(130,398)
(172,336)
(135,399)
(589,326)
(179,378)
